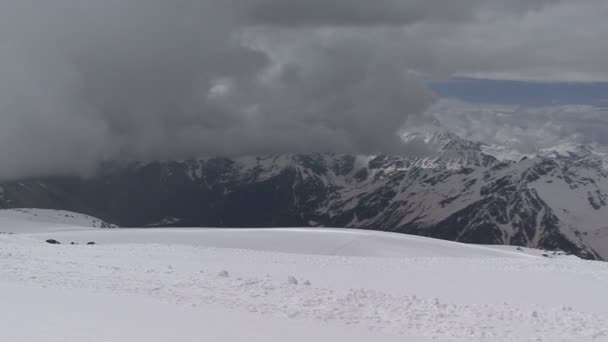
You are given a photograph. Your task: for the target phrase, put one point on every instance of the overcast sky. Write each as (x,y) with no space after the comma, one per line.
(83,81)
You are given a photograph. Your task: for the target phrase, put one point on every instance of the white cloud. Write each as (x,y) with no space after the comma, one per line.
(526,130)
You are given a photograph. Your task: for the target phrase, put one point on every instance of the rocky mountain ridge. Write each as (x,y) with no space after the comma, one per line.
(459,192)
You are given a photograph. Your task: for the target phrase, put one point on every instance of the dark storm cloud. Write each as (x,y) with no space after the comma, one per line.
(356,12)
(84,81)
(87,81)
(379,12)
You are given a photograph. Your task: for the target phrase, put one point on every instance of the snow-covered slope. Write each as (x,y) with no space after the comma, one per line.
(294,284)
(331,242)
(27,220)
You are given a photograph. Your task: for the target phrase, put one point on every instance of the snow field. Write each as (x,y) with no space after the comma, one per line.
(158,285)
(426,297)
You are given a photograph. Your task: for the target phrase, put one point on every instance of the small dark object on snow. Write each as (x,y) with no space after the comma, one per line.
(72,243)
(546,255)
(53,242)
(90,243)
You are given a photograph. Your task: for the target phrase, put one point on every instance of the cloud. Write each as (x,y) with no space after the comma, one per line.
(523,129)
(85,81)
(545,41)
(357,12)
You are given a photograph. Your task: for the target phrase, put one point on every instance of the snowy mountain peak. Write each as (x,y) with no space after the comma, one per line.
(458,193)
(447,149)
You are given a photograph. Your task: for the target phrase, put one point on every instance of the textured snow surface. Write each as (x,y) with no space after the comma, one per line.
(32,220)
(289,284)
(315,241)
(44,314)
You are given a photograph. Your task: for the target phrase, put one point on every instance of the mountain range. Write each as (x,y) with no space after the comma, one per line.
(556,200)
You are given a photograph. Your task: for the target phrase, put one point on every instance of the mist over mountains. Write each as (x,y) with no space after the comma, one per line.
(518,130)
(555,201)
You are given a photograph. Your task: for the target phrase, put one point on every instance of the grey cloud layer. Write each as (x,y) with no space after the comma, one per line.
(525,130)
(558,41)
(84,81)
(355,12)
(380,12)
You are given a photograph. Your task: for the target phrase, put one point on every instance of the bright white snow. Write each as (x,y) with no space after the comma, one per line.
(288,284)
(34,220)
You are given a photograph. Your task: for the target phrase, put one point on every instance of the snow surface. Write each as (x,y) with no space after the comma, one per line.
(43,314)
(32,220)
(288,284)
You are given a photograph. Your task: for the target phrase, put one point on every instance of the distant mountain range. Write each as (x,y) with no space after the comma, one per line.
(556,200)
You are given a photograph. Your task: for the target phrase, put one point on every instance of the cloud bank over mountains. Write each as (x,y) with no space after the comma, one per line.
(85,81)
(524,130)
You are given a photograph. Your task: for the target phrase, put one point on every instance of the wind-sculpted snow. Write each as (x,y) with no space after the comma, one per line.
(507,296)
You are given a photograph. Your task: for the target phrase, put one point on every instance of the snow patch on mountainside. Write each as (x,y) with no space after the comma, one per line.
(504,153)
(582,206)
